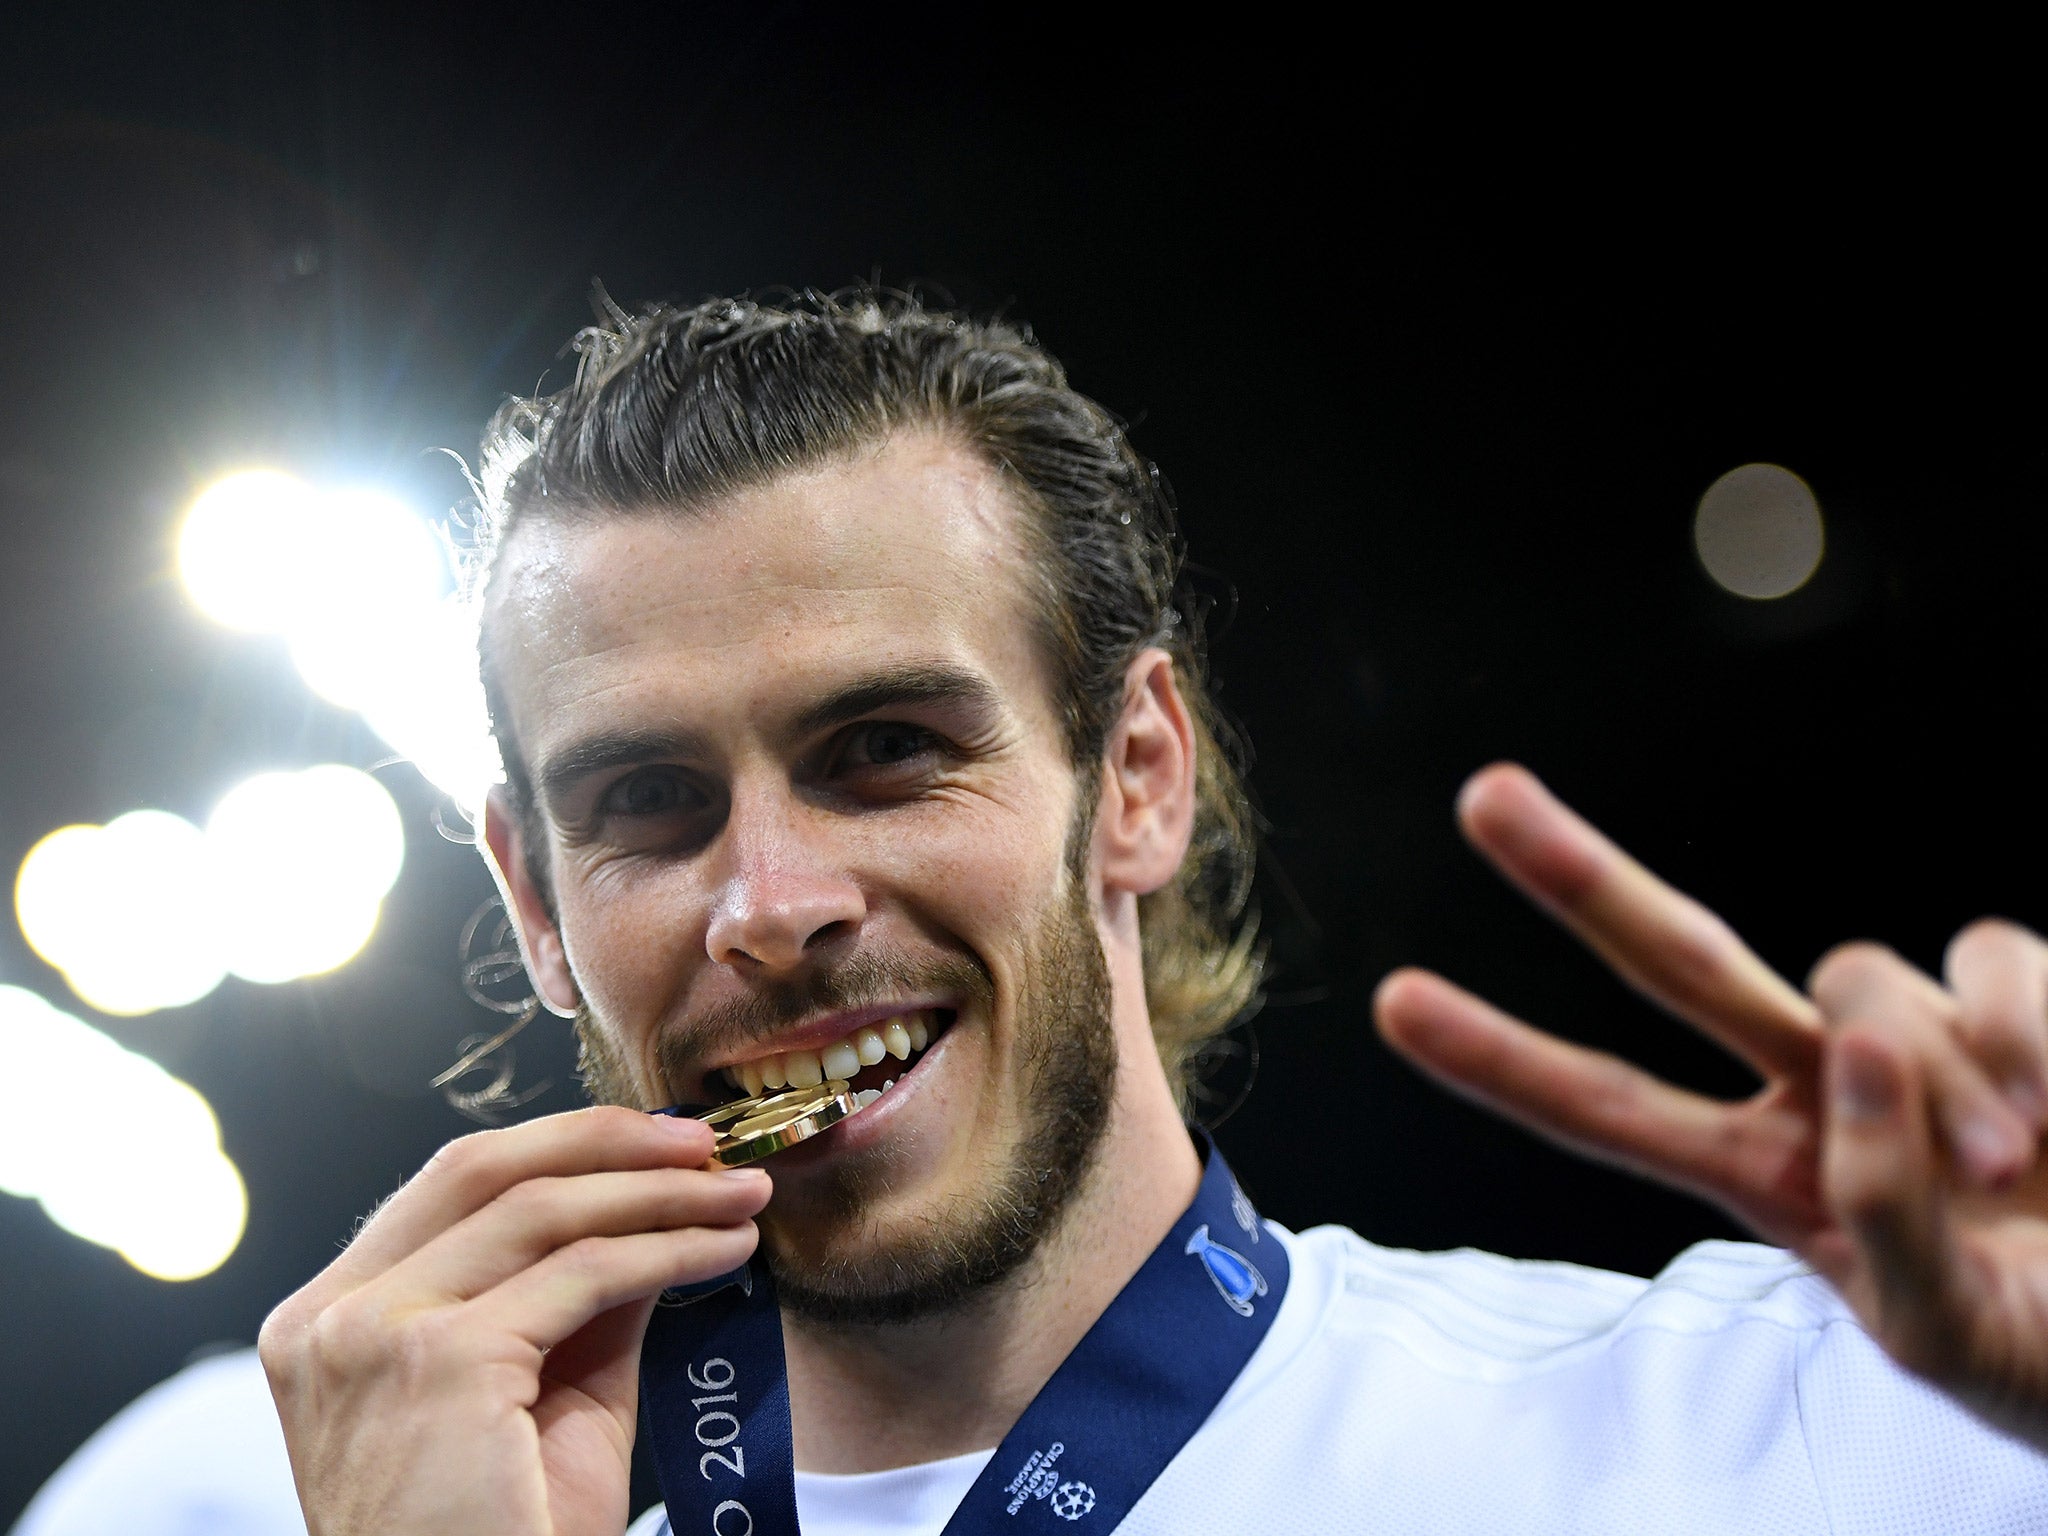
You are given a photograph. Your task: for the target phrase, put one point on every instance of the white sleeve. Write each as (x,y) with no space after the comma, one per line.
(1891,1453)
(198,1455)
(653,1522)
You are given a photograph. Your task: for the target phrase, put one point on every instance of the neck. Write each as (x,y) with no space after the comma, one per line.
(865,1399)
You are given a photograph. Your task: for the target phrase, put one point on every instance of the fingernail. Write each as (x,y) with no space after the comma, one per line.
(1863,1087)
(741,1173)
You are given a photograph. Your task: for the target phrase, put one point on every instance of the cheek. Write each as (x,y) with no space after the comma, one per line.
(629,935)
(983,883)
(982,879)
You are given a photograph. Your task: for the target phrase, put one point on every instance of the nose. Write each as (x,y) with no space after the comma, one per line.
(780,895)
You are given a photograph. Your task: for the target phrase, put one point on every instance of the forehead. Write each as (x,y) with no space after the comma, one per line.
(909,552)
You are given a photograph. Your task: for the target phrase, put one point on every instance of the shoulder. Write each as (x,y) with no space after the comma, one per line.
(200,1452)
(1479,1315)
(1462,1391)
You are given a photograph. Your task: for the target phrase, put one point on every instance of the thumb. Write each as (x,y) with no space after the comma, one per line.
(1882,1179)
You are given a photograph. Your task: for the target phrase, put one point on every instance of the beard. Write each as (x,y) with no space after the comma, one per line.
(836,1267)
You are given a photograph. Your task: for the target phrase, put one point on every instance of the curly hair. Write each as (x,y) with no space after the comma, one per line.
(674,408)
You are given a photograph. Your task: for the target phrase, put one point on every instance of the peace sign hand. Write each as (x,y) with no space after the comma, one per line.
(1894,1144)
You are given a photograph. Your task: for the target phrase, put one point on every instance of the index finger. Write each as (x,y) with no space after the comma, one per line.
(471,1172)
(1660,941)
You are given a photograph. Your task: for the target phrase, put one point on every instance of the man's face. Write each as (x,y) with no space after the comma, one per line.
(805,792)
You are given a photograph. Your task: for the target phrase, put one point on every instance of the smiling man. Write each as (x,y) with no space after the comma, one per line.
(853,730)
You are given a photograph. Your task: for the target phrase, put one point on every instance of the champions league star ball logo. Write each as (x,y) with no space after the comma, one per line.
(1070,1501)
(1237,1278)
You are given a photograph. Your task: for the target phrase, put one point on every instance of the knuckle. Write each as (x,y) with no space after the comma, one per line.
(338,1340)
(584,1258)
(616,1125)
(279,1342)
(1697,960)
(354,1339)
(451,1163)
(469,1164)
(532,1203)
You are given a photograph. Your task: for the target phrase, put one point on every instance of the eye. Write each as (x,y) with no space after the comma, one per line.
(651,792)
(884,744)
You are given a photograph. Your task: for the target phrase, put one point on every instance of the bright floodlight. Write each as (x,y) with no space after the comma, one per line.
(357,585)
(373,587)
(120,910)
(431,709)
(243,549)
(301,863)
(379,634)
(115,1149)
(1758,531)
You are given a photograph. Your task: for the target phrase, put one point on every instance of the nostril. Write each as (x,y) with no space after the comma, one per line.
(831,933)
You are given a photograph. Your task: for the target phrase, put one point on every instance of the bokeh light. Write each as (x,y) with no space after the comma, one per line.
(376,577)
(431,708)
(1758,531)
(359,589)
(300,863)
(243,547)
(135,1164)
(148,912)
(121,910)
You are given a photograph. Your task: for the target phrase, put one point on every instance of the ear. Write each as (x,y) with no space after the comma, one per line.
(1147,810)
(540,937)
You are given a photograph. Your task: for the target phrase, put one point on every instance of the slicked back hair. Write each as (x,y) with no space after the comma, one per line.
(673,409)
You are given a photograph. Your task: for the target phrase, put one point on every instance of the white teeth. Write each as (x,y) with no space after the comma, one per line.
(840,1061)
(866,1097)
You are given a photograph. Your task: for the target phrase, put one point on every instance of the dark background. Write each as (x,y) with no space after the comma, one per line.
(1438,339)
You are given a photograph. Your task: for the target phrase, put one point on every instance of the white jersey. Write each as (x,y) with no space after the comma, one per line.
(1457,1392)
(1396,1392)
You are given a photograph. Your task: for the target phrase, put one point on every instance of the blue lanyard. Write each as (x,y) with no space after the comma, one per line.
(715,1392)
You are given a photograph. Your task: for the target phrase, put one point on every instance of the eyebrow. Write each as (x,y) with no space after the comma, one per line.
(912,684)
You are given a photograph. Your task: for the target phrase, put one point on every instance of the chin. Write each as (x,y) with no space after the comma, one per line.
(864,1267)
(868,1237)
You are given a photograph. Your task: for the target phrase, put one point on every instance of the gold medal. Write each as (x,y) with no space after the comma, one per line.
(751,1129)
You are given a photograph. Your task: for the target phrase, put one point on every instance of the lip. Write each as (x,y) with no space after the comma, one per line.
(823,1030)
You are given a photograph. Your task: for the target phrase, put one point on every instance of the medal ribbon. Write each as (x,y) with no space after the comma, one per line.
(715,1391)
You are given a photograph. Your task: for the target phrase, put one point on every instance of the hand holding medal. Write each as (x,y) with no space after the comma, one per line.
(469,1362)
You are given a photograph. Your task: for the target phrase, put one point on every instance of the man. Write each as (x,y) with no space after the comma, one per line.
(852,728)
